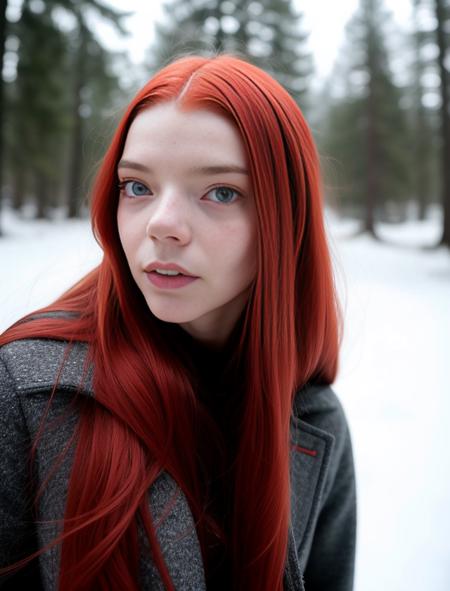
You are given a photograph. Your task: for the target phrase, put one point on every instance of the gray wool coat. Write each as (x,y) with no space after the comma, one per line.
(322,534)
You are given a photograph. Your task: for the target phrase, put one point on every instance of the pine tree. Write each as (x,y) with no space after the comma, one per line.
(64,86)
(94,86)
(91,69)
(3,25)
(367,129)
(36,115)
(267,32)
(423,154)
(442,13)
(438,37)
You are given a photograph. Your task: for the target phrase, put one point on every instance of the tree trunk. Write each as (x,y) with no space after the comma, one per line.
(372,186)
(445,121)
(3,4)
(42,188)
(18,187)
(218,41)
(421,172)
(75,164)
(422,162)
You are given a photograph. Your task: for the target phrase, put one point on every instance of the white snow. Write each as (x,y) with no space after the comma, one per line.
(393,381)
(394,384)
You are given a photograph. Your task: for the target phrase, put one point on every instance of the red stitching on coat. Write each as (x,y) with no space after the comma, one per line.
(304,450)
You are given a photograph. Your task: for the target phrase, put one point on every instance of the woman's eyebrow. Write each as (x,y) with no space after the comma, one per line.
(135,165)
(211,169)
(219,169)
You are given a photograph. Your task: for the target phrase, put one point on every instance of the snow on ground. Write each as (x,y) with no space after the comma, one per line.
(395,386)
(40,260)
(393,380)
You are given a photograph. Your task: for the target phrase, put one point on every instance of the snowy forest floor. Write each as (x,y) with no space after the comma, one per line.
(394,379)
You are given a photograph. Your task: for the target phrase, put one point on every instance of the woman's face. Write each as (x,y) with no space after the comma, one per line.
(186,201)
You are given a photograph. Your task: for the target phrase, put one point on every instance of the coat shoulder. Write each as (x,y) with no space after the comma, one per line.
(320,407)
(37,364)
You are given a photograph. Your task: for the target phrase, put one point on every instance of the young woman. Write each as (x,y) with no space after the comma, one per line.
(168,423)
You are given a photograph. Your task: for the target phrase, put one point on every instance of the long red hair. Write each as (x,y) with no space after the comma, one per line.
(145,403)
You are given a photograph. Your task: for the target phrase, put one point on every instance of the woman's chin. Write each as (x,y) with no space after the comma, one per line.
(172,315)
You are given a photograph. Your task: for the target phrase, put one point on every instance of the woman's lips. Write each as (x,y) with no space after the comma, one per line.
(169,281)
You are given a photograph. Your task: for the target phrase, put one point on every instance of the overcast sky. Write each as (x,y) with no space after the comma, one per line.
(323,19)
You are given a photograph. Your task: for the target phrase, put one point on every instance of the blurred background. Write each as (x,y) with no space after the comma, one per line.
(372,79)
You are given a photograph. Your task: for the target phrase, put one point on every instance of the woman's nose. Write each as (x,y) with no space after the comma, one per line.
(169,218)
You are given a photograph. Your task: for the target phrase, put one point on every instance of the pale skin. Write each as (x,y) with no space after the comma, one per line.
(186,199)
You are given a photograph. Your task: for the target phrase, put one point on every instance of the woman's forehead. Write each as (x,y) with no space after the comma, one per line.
(165,130)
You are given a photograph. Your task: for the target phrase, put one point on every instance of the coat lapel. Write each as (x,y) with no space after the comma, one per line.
(310,455)
(293,580)
(177,536)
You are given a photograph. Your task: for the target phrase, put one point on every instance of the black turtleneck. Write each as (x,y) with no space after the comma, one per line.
(219,395)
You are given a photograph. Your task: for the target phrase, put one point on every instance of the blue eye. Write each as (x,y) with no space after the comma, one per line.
(133,189)
(223,194)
